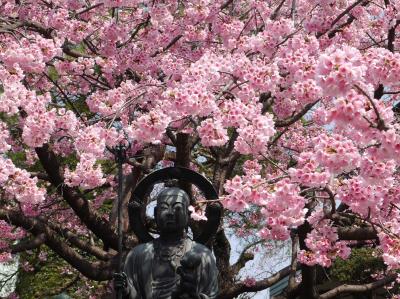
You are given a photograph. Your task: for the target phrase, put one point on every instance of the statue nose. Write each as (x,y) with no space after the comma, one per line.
(170,212)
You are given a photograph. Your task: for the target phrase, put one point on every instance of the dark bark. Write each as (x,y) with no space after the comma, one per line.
(183,158)
(341,15)
(240,288)
(222,251)
(291,120)
(94,222)
(293,264)
(392,36)
(357,233)
(129,182)
(80,243)
(352,289)
(308,288)
(93,270)
(28,244)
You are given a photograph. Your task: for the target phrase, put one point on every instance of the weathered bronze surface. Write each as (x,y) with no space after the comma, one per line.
(171,266)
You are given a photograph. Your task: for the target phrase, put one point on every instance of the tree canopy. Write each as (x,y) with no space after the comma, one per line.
(288,107)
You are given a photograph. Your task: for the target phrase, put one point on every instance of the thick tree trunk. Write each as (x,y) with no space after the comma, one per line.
(183,158)
(308,287)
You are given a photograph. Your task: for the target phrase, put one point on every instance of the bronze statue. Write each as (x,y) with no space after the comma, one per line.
(171,266)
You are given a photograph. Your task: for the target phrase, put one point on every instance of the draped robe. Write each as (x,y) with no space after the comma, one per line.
(144,260)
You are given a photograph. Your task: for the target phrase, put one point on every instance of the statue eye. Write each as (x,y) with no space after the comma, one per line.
(178,207)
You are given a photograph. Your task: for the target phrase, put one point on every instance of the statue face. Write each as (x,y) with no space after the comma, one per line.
(172,213)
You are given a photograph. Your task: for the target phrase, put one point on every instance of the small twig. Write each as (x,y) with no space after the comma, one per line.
(391,92)
(171,43)
(88,8)
(296,117)
(277,137)
(104,86)
(135,32)
(244,27)
(65,96)
(226,4)
(125,105)
(276,11)
(342,14)
(380,122)
(274,164)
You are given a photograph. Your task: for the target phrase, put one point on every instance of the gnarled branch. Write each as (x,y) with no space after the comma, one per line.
(94,270)
(99,226)
(260,285)
(28,244)
(291,120)
(357,233)
(348,288)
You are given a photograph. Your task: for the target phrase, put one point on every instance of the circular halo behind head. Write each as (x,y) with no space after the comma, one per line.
(136,206)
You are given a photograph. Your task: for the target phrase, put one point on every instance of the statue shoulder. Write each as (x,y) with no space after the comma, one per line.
(140,251)
(201,249)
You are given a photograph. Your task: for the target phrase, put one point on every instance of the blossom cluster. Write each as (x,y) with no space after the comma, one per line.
(281,205)
(18,184)
(339,70)
(323,246)
(86,175)
(303,91)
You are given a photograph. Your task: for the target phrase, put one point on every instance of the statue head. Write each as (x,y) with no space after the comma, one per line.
(171,212)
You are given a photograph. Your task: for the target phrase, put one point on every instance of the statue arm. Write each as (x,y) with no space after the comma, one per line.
(130,291)
(209,281)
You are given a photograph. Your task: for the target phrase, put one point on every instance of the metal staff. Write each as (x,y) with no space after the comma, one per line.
(120,157)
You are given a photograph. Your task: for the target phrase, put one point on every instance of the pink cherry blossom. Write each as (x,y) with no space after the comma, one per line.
(86,175)
(290,108)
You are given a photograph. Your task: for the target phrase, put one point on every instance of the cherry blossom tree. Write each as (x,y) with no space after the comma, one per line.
(287,106)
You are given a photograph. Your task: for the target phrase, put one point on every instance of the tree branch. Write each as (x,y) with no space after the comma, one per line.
(240,287)
(64,95)
(222,251)
(135,32)
(339,28)
(342,14)
(99,226)
(380,122)
(81,244)
(392,36)
(277,9)
(88,9)
(28,244)
(244,258)
(171,43)
(348,288)
(356,233)
(291,120)
(293,264)
(226,4)
(93,270)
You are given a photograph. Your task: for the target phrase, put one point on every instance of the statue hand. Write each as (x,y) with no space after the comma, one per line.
(120,281)
(188,284)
